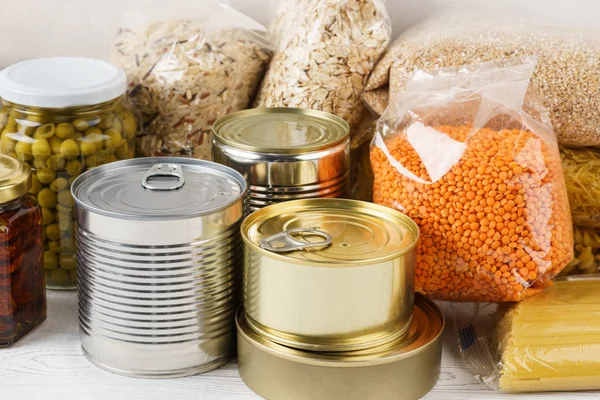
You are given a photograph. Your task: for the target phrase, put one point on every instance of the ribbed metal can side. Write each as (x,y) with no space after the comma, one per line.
(258,197)
(159,311)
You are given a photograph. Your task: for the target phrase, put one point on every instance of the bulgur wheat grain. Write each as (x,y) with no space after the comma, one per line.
(567,75)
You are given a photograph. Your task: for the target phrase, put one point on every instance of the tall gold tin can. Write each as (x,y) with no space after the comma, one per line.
(285,154)
(329,274)
(405,369)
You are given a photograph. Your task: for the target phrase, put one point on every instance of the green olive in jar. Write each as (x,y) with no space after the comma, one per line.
(92,161)
(65,223)
(69,149)
(55,144)
(47,216)
(59,277)
(36,185)
(23,150)
(106,121)
(8,144)
(59,144)
(81,124)
(74,168)
(53,232)
(47,198)
(65,131)
(112,139)
(68,244)
(56,163)
(94,135)
(67,261)
(54,246)
(129,125)
(39,163)
(65,199)
(46,175)
(50,260)
(87,146)
(64,212)
(59,184)
(41,149)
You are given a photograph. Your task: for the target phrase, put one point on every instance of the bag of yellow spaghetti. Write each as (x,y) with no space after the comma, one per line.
(548,342)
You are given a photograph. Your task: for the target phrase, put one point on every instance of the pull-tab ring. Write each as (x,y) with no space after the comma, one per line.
(283,242)
(172,170)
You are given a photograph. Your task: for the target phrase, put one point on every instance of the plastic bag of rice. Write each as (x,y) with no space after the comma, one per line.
(324,54)
(567,76)
(188,63)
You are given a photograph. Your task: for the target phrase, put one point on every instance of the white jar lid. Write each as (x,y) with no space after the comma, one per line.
(59,82)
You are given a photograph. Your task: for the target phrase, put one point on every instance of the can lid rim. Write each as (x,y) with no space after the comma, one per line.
(218,137)
(324,359)
(149,161)
(251,220)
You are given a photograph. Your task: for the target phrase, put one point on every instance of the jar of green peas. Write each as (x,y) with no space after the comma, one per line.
(62,116)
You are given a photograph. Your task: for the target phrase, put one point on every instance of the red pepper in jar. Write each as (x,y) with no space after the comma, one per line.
(22,286)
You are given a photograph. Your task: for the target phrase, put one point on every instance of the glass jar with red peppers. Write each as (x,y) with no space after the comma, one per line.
(22,285)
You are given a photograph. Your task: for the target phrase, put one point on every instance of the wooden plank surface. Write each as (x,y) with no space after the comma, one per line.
(48,364)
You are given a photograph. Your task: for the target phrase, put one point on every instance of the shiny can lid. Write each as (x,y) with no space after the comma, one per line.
(427,325)
(15,178)
(158,188)
(281,130)
(352,232)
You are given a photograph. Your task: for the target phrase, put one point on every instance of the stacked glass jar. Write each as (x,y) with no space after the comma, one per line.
(62,116)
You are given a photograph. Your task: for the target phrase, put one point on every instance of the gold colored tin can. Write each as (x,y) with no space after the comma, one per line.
(329,274)
(405,369)
(285,153)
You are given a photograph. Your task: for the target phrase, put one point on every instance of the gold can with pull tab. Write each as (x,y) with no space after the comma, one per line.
(329,275)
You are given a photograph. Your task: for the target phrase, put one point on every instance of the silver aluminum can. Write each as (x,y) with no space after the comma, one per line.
(159,255)
(285,154)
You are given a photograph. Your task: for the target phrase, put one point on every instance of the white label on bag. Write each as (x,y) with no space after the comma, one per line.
(438,151)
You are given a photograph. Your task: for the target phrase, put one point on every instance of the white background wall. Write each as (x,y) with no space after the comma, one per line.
(34,28)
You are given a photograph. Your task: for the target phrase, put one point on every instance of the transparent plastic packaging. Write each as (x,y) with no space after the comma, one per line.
(325,51)
(188,63)
(566,76)
(549,342)
(461,153)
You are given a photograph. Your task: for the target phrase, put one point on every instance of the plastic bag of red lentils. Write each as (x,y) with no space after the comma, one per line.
(469,154)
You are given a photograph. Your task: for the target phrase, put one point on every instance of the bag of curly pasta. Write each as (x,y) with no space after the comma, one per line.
(469,154)
(188,63)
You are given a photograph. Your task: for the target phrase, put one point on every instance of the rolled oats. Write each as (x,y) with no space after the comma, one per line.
(184,77)
(567,76)
(326,50)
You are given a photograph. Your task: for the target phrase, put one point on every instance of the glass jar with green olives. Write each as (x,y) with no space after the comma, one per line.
(62,116)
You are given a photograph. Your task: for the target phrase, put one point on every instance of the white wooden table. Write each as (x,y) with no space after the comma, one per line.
(48,365)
